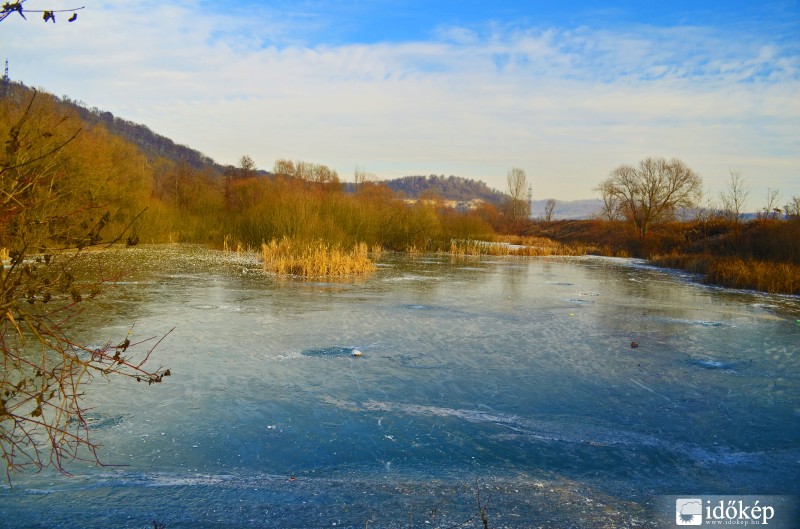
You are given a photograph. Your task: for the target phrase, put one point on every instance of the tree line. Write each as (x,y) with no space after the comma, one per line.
(155,198)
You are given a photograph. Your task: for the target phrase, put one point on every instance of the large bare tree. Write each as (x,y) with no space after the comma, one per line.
(653,191)
(549,209)
(519,206)
(734,197)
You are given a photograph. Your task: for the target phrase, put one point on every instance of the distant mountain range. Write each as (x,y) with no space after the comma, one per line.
(574,209)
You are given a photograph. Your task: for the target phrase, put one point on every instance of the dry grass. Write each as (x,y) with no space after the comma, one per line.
(228,246)
(315,259)
(528,246)
(376,251)
(4,255)
(734,272)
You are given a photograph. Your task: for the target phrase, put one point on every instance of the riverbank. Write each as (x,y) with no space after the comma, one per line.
(761,255)
(733,272)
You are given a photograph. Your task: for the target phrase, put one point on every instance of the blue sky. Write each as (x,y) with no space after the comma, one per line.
(341,22)
(565,90)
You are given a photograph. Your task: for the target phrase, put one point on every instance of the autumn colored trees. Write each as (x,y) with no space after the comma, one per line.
(60,192)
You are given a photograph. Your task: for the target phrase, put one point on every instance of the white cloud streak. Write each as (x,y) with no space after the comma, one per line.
(568,105)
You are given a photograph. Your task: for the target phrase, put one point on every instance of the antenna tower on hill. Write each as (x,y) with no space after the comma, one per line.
(5,80)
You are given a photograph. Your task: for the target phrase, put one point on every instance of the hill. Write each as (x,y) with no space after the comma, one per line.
(446,187)
(154,145)
(464,189)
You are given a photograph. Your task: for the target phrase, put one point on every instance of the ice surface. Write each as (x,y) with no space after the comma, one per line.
(512,375)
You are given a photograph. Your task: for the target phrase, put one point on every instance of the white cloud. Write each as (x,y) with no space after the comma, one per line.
(568,105)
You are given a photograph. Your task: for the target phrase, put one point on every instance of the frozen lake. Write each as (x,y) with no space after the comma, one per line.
(514,377)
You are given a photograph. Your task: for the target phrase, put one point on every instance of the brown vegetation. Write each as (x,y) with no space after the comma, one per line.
(759,254)
(59,192)
(516,246)
(316,259)
(736,272)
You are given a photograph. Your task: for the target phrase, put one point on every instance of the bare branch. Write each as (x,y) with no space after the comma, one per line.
(48,14)
(46,220)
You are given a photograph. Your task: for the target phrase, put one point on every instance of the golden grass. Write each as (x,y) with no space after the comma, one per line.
(4,255)
(376,251)
(529,246)
(289,257)
(734,272)
(229,247)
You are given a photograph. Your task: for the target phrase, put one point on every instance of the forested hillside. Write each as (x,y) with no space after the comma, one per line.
(153,144)
(135,185)
(446,187)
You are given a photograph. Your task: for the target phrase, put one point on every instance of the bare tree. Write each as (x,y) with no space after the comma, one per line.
(284,168)
(519,194)
(792,209)
(653,191)
(361,177)
(771,211)
(247,167)
(549,208)
(310,172)
(611,210)
(734,197)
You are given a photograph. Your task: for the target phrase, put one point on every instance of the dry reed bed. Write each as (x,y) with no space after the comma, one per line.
(532,246)
(734,272)
(315,259)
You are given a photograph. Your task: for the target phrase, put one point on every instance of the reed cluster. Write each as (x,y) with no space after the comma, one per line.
(289,257)
(531,247)
(734,272)
(4,255)
(229,246)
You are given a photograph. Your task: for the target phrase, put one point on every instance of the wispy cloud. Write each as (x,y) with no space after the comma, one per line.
(566,103)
